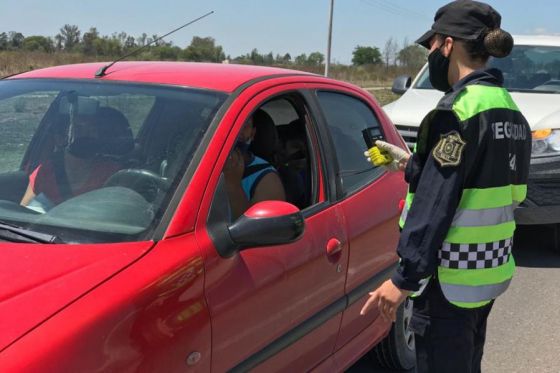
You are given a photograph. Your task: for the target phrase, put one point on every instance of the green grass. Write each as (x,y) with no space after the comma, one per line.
(384,96)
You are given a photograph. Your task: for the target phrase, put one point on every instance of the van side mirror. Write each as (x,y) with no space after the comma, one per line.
(401,84)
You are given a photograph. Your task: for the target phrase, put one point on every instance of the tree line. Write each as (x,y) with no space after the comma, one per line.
(201,49)
(410,55)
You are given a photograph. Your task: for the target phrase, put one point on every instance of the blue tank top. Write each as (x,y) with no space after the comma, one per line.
(250,182)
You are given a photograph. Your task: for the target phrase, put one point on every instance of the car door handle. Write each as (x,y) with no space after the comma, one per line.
(334,247)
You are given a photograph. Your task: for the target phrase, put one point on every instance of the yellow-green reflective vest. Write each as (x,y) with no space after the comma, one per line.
(475,261)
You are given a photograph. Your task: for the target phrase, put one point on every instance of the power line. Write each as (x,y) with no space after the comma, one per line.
(394,9)
(399,7)
(388,10)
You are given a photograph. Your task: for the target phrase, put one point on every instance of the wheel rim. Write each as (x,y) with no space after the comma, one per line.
(407,316)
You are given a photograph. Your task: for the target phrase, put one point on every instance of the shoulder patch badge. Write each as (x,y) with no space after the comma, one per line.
(449,150)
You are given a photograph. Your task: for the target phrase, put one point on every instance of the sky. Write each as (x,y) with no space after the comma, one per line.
(278,26)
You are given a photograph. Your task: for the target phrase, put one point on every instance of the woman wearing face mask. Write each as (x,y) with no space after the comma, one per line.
(468,173)
(250,179)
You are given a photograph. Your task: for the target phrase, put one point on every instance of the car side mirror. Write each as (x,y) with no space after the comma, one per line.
(401,84)
(267,223)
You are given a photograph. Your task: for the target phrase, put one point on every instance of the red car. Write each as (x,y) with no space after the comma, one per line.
(118,248)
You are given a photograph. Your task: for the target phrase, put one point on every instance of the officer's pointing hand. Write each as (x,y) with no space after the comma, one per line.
(387,298)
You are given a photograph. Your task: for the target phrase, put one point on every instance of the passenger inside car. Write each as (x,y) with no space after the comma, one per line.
(293,164)
(250,178)
(83,159)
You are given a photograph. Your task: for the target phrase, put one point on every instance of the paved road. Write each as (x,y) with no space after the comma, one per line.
(524,326)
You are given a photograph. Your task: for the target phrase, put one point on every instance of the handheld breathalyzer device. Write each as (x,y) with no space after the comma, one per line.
(378,156)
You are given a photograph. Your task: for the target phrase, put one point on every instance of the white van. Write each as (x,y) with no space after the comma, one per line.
(532,75)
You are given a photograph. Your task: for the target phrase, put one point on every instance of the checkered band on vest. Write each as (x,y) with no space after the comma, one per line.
(475,256)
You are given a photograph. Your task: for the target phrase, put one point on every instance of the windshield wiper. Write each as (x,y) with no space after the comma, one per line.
(13,233)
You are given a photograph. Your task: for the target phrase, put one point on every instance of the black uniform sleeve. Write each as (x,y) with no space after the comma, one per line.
(437,195)
(413,169)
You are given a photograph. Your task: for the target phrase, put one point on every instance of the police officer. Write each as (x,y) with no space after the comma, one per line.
(466,176)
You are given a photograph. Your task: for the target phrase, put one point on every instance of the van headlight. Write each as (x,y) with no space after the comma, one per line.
(546,142)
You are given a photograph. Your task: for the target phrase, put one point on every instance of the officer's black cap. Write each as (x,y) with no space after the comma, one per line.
(463,19)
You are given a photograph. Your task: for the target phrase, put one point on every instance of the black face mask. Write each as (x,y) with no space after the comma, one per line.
(438,65)
(242,146)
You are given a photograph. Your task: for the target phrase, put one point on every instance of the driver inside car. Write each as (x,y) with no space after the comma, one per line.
(79,163)
(250,179)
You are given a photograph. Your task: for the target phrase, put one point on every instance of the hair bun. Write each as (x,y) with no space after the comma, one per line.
(498,43)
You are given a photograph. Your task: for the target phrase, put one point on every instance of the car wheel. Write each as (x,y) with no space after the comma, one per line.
(397,350)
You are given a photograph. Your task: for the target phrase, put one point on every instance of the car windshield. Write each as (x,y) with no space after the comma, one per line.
(94,161)
(527,69)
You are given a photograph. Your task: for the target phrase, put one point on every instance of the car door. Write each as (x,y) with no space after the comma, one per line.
(369,199)
(275,308)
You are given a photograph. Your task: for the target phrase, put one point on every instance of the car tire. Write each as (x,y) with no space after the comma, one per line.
(397,350)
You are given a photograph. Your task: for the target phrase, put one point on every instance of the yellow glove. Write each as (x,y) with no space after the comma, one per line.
(388,155)
(378,157)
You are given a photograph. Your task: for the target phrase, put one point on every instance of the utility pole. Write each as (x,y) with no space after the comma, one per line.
(328,62)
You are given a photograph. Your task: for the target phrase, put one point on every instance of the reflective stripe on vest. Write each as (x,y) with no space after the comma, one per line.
(473,294)
(482,217)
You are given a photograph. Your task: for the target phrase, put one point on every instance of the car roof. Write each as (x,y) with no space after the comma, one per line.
(541,40)
(214,76)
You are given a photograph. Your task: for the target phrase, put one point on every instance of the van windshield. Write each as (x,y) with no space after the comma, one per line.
(527,69)
(95,161)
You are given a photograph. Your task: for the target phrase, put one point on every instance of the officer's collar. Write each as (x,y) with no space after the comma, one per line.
(488,76)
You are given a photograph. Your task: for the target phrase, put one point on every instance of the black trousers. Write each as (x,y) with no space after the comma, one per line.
(448,338)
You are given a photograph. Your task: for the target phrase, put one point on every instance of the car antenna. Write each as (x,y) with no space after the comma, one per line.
(101,72)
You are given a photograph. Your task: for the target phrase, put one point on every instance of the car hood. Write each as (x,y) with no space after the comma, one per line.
(412,106)
(37,280)
(540,109)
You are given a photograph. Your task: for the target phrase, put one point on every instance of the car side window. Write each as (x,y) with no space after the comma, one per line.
(346,118)
(276,138)
(297,149)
